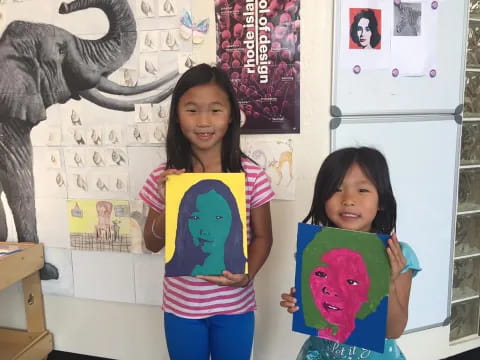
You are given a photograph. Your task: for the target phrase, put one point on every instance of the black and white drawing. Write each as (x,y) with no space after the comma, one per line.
(43,65)
(407,19)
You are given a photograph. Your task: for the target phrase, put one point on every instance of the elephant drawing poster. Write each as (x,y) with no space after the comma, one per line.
(206,230)
(84,102)
(342,282)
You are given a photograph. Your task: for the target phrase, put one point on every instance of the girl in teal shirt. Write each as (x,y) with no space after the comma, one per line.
(353,192)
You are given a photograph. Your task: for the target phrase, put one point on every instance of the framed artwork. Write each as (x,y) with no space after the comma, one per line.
(205,220)
(342,283)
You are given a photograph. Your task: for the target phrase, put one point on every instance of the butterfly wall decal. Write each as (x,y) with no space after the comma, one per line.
(190,29)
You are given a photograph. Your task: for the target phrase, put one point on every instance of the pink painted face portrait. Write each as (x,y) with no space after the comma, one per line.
(341,286)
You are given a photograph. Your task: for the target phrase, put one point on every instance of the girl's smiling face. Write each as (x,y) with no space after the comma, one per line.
(341,286)
(354,205)
(204,116)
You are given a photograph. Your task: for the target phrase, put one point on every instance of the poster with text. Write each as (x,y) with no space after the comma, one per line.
(258,45)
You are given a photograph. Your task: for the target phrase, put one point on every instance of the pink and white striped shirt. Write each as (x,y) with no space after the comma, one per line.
(194,298)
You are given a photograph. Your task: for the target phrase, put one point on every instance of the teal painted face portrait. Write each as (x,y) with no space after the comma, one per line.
(210,224)
(210,232)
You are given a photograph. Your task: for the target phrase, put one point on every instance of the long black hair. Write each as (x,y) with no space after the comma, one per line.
(330,177)
(372,24)
(187,255)
(179,152)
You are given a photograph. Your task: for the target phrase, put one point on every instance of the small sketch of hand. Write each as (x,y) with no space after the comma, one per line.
(148,41)
(78,160)
(137,135)
(143,114)
(120,185)
(158,134)
(161,112)
(189,63)
(96,138)
(59,180)
(112,137)
(53,159)
(146,8)
(82,183)
(75,118)
(78,137)
(117,158)
(168,7)
(101,185)
(170,40)
(97,159)
(150,68)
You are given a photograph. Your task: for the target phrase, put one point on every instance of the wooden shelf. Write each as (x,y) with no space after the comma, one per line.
(35,342)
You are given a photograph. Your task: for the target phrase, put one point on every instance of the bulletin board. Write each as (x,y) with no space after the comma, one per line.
(422,156)
(412,69)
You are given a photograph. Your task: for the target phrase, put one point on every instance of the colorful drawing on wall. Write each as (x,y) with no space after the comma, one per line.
(205,224)
(190,29)
(342,282)
(365,29)
(276,157)
(258,44)
(99,225)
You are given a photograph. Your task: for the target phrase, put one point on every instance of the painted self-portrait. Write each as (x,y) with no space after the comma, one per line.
(365,29)
(342,284)
(339,288)
(209,232)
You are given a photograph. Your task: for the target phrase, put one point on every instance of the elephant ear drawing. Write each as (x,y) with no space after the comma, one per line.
(20,96)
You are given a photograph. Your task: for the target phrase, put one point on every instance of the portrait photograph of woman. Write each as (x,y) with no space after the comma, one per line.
(365,29)
(209,234)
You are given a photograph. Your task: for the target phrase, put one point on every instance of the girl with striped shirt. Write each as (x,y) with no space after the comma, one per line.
(209,315)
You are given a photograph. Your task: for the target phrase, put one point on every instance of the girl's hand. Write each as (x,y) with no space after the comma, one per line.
(289,301)
(162,178)
(227,279)
(395,255)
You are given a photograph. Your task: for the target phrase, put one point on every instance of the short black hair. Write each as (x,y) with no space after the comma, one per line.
(331,174)
(372,23)
(179,152)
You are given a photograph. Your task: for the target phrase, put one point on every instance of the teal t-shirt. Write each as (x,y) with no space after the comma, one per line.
(321,349)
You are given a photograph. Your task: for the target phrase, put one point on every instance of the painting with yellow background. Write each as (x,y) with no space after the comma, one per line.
(205,220)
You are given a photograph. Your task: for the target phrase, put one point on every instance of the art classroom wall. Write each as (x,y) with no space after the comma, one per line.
(132,331)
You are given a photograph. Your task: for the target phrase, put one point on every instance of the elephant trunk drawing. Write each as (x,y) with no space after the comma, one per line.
(42,65)
(90,60)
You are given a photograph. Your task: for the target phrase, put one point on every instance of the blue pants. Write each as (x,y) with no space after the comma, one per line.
(224,337)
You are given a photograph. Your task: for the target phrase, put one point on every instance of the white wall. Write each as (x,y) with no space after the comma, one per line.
(126,331)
